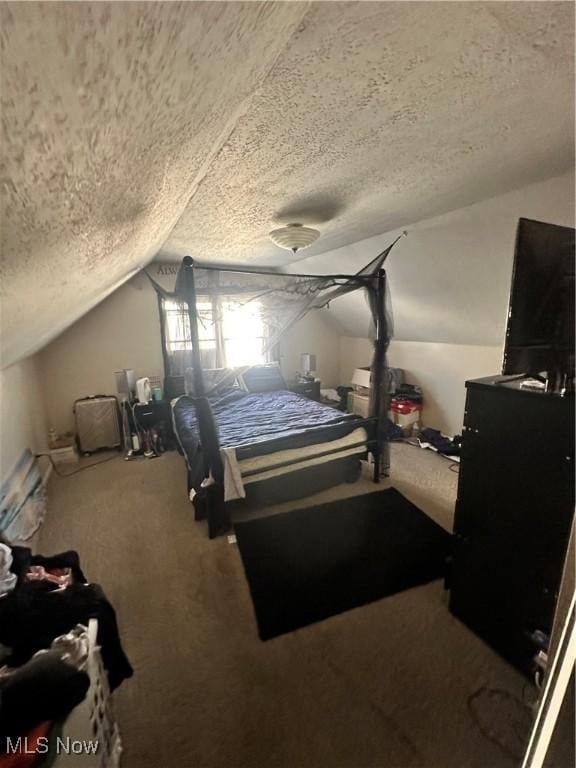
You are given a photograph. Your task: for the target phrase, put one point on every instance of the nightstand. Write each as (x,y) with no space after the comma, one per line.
(309,389)
(157,415)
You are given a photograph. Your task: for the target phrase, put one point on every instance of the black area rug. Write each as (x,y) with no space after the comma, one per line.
(306,565)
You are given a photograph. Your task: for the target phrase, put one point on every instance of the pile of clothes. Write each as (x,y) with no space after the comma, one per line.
(436,441)
(46,604)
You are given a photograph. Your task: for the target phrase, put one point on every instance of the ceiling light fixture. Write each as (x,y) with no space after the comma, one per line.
(294,237)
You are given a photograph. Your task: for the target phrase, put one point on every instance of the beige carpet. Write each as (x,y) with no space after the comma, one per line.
(383,686)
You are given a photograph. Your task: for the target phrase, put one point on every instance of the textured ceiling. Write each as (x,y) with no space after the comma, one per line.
(197,127)
(381,114)
(112,115)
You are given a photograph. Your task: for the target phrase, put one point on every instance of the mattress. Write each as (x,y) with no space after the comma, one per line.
(268,465)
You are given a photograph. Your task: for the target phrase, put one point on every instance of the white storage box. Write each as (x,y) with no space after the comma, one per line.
(361,405)
(361,379)
(66,455)
(63,449)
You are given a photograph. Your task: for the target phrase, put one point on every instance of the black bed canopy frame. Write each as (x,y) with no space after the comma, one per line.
(373,278)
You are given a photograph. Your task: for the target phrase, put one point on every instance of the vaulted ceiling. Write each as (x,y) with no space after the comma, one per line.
(132,128)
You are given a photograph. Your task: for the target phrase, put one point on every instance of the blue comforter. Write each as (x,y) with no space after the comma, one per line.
(261,423)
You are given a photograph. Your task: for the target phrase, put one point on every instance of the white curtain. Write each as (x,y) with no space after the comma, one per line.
(232,333)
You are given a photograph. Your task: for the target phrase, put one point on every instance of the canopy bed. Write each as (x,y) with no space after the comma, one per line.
(268,443)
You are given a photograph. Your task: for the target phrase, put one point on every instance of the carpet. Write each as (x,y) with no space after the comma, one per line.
(306,565)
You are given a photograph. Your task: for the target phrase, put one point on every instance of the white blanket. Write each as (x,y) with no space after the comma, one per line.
(299,458)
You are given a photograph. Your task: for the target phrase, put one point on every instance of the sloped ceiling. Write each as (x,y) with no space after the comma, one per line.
(112,115)
(450,277)
(195,128)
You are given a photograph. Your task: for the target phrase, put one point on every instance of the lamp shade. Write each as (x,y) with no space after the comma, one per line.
(308,362)
(294,237)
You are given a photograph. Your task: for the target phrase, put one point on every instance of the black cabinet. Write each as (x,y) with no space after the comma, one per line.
(309,389)
(513,514)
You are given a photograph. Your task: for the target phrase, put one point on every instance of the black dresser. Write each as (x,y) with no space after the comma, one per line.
(513,514)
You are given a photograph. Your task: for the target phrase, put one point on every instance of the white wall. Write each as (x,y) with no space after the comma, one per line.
(22,415)
(121,332)
(124,332)
(317,334)
(449,282)
(450,277)
(440,369)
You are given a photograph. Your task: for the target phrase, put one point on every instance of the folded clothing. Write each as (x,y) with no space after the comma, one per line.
(408,392)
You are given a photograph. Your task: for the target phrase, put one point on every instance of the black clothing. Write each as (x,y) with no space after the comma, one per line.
(36,612)
(22,559)
(45,688)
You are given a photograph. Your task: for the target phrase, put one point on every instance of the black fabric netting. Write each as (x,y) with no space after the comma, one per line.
(282,300)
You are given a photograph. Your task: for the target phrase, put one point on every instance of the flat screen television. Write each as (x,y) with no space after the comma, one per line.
(540,329)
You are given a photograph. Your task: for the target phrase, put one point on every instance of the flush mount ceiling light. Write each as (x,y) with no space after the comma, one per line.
(294,237)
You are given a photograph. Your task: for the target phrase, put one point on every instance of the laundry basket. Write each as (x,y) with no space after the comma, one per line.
(92,721)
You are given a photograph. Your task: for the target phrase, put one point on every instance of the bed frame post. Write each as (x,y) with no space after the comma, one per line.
(190,290)
(212,505)
(379,360)
(165,359)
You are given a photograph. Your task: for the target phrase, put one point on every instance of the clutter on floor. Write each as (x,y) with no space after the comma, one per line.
(330,397)
(406,408)
(434,440)
(63,448)
(393,432)
(404,420)
(309,564)
(46,606)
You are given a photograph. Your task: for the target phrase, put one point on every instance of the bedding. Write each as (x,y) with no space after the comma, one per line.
(252,425)
(217,379)
(263,378)
(271,465)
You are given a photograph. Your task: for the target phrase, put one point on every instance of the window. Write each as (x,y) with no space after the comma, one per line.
(231,333)
(244,333)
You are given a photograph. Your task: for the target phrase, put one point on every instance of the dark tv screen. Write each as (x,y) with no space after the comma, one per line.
(540,330)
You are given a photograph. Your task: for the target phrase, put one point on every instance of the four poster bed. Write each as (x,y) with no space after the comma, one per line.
(273,445)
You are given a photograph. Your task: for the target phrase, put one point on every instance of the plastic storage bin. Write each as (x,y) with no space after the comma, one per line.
(406,415)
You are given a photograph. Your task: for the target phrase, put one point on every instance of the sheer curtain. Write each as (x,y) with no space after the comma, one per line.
(232,333)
